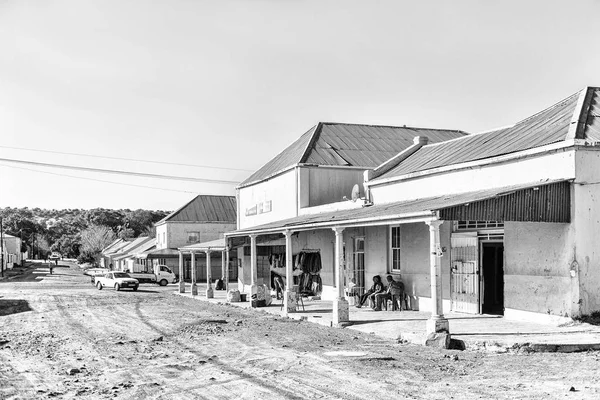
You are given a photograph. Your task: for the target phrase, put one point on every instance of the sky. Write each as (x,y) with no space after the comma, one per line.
(230,83)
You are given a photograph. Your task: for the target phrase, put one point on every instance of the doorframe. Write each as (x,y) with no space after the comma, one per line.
(482,241)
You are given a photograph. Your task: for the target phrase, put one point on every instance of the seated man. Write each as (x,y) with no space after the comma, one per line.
(395,289)
(371,293)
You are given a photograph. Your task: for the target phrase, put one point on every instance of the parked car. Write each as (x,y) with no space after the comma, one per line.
(94,272)
(117,280)
(54,256)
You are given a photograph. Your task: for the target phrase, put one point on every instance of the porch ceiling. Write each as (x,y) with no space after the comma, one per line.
(545,201)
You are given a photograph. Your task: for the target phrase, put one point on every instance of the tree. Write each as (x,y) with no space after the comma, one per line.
(93,240)
(102,216)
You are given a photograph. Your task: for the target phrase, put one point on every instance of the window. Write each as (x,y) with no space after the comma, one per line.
(193,237)
(474,225)
(358,266)
(395,248)
(164,241)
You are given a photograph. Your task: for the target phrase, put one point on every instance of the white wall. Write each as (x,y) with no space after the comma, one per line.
(560,165)
(176,233)
(586,221)
(537,260)
(280,190)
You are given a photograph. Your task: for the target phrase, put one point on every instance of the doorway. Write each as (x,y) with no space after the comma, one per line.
(492,282)
(358,266)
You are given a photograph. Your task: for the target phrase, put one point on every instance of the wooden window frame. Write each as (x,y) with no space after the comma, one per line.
(395,249)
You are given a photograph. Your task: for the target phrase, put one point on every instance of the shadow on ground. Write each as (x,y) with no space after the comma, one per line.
(592,319)
(9,306)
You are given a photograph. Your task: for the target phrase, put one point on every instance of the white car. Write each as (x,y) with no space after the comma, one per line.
(54,256)
(117,280)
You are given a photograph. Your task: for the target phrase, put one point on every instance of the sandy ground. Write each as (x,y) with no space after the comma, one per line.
(62,338)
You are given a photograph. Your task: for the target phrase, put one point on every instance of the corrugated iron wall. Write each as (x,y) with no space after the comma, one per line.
(547,203)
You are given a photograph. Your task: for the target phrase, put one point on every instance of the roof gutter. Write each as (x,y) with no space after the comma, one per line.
(384,220)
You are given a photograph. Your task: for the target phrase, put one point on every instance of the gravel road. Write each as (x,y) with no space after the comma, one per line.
(62,338)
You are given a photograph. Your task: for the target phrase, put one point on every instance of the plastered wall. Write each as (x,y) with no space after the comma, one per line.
(559,165)
(537,260)
(177,233)
(280,190)
(586,221)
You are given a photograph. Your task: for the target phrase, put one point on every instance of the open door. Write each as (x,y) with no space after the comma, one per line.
(464,276)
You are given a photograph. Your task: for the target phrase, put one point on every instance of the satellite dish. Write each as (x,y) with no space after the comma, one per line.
(355,192)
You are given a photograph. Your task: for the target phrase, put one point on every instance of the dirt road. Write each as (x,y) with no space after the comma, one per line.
(62,338)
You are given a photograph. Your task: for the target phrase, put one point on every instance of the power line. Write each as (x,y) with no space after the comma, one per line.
(126,159)
(120,172)
(97,180)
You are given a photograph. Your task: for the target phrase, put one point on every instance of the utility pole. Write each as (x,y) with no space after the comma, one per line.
(1,247)
(21,246)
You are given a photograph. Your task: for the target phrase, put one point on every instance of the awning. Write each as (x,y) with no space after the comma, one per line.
(158,253)
(544,201)
(213,245)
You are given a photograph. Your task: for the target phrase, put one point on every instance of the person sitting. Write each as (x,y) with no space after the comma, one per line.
(220,284)
(395,290)
(372,292)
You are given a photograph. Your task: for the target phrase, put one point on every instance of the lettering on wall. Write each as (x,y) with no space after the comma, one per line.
(260,208)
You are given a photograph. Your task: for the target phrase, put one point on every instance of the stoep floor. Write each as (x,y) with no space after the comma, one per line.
(475,331)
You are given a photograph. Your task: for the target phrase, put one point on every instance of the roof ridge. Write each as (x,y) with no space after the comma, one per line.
(510,125)
(311,142)
(561,102)
(580,114)
(393,126)
(168,217)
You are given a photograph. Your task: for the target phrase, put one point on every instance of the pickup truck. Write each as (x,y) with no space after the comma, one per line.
(162,275)
(117,280)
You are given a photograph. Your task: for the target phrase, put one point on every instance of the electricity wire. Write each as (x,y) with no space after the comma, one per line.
(98,180)
(120,172)
(126,159)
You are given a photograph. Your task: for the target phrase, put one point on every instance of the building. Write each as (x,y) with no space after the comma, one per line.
(107,254)
(321,172)
(11,247)
(501,222)
(204,218)
(124,258)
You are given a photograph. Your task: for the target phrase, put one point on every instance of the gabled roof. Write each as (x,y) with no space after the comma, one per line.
(336,144)
(113,244)
(574,117)
(116,247)
(205,208)
(132,246)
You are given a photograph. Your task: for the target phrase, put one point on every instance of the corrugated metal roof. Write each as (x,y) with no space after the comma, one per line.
(216,245)
(132,247)
(548,126)
(158,253)
(348,145)
(547,203)
(396,211)
(205,208)
(592,123)
(290,156)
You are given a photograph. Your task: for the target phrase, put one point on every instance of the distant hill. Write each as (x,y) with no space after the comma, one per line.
(59,230)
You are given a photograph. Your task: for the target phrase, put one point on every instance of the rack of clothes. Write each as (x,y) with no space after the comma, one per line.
(306,272)
(310,282)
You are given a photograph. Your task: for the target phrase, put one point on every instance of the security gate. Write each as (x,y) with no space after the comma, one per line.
(464,277)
